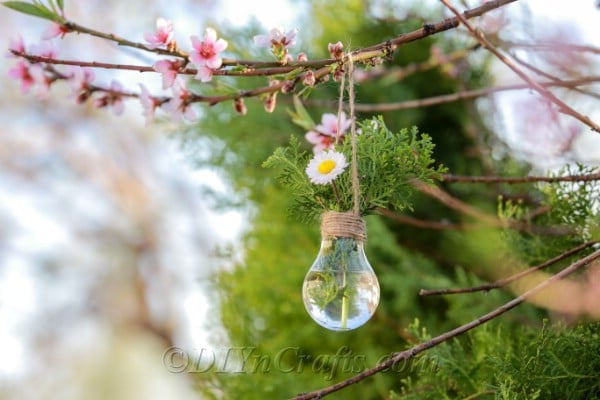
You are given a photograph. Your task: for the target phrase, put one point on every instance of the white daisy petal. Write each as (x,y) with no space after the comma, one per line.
(325,167)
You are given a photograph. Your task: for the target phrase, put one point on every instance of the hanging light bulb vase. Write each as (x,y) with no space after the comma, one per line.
(341,291)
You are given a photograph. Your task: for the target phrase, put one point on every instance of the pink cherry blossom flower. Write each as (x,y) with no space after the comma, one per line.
(329,125)
(42,81)
(44,49)
(169,70)
(204,73)
(325,134)
(149,103)
(112,98)
(55,30)
(21,72)
(16,46)
(80,80)
(276,38)
(163,36)
(278,42)
(179,106)
(319,142)
(206,52)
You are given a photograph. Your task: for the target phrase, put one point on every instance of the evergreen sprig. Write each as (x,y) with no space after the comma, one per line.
(386,163)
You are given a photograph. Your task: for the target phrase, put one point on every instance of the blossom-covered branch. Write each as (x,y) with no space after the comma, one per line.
(286,74)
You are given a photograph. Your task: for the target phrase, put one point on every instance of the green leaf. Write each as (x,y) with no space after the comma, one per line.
(301,117)
(32,9)
(60,4)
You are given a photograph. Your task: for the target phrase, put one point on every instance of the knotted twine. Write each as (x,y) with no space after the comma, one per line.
(350,223)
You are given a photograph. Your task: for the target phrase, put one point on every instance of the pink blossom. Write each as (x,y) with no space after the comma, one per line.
(80,79)
(276,39)
(319,142)
(112,98)
(149,103)
(279,43)
(16,46)
(179,106)
(329,125)
(206,52)
(21,72)
(325,134)
(163,36)
(44,49)
(42,80)
(169,70)
(205,74)
(55,30)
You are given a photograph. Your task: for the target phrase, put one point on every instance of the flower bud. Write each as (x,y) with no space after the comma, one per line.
(302,57)
(309,78)
(338,74)
(239,106)
(336,50)
(288,86)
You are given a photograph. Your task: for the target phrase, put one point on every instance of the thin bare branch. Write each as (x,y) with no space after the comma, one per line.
(419,223)
(488,219)
(480,37)
(412,352)
(449,98)
(505,281)
(526,179)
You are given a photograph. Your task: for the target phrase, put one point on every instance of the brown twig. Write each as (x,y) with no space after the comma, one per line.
(419,223)
(412,352)
(512,180)
(539,72)
(480,37)
(554,46)
(505,281)
(449,98)
(489,219)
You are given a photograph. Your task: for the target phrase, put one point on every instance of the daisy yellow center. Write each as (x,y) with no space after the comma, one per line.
(326,167)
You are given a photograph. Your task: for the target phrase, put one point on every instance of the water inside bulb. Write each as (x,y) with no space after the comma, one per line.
(341,291)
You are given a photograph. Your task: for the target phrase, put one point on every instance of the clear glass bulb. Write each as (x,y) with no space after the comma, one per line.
(341,291)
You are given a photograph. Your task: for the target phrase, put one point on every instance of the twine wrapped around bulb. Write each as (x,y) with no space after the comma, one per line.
(343,224)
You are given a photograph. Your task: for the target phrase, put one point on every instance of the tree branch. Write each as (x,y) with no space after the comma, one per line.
(505,281)
(449,98)
(412,352)
(513,180)
(562,106)
(383,49)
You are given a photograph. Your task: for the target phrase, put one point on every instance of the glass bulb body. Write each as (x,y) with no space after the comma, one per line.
(341,291)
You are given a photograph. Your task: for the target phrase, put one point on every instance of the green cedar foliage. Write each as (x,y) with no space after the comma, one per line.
(386,163)
(555,362)
(258,299)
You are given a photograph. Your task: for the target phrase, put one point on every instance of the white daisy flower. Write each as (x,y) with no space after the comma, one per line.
(326,166)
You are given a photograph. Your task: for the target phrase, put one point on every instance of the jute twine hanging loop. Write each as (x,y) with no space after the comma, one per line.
(347,224)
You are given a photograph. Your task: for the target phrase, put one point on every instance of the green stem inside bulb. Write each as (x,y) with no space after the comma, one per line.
(344,301)
(344,321)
